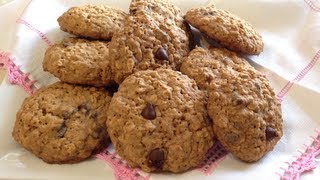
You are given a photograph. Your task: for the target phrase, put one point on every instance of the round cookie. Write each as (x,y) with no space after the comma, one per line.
(149,40)
(63,123)
(246,115)
(79,61)
(158,121)
(229,30)
(92,21)
(204,65)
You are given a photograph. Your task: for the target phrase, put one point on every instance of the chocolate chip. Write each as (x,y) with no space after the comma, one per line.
(161,54)
(62,130)
(195,37)
(271,133)
(112,88)
(149,112)
(156,158)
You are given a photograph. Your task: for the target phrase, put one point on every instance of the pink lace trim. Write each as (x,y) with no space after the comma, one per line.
(304,162)
(313,5)
(32,28)
(215,155)
(299,77)
(121,169)
(15,75)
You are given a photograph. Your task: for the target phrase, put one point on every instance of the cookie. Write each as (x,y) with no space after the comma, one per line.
(160,10)
(158,121)
(92,21)
(229,30)
(149,40)
(204,65)
(63,123)
(79,61)
(246,115)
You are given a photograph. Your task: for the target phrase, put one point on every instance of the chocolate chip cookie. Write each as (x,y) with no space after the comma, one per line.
(229,30)
(153,36)
(246,115)
(92,21)
(204,65)
(63,123)
(158,121)
(79,61)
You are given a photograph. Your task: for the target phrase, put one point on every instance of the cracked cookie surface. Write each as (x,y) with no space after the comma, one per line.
(158,121)
(63,123)
(92,21)
(226,28)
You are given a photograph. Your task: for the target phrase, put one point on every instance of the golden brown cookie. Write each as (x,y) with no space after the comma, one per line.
(63,123)
(204,65)
(158,121)
(153,36)
(246,115)
(92,21)
(79,61)
(228,29)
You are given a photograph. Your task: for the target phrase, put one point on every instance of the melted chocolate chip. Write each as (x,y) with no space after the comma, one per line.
(112,88)
(161,54)
(271,133)
(149,112)
(62,130)
(156,158)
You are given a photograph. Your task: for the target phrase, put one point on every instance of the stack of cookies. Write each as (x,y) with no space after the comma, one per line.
(140,79)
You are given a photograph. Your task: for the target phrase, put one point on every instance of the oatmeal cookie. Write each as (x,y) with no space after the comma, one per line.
(228,29)
(158,121)
(63,123)
(92,21)
(79,61)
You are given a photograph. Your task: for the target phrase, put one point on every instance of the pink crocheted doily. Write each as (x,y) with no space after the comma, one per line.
(15,75)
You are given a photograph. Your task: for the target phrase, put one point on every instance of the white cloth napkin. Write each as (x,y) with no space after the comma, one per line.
(291,58)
